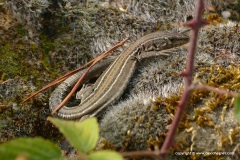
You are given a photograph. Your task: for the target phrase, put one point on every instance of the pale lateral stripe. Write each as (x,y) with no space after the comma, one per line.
(103,96)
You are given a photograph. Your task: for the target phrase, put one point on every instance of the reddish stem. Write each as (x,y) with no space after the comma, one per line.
(79,82)
(195,24)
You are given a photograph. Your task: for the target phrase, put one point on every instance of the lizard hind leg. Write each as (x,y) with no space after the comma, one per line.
(84,92)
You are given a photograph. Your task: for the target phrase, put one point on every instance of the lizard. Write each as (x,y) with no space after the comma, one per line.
(116,75)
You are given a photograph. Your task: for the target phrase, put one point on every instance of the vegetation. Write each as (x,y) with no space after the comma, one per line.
(82,135)
(37,48)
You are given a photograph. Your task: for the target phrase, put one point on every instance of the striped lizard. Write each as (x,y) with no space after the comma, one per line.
(117,72)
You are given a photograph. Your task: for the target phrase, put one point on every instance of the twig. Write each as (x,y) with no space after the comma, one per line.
(82,77)
(154,154)
(213,89)
(195,25)
(236,147)
(60,79)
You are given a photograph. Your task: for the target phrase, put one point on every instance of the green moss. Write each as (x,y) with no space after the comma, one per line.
(27,60)
(33,47)
(204,113)
(46,43)
(9,64)
(21,31)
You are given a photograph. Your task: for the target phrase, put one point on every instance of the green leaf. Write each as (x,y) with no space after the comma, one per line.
(237,108)
(82,135)
(31,149)
(105,155)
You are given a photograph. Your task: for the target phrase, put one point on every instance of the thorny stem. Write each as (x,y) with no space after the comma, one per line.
(213,89)
(195,24)
(135,154)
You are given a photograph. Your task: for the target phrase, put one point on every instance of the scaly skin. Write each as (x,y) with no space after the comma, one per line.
(112,83)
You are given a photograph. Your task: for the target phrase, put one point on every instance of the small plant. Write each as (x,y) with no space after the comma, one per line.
(82,135)
(237,108)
